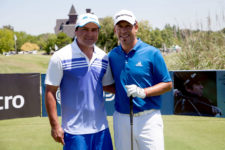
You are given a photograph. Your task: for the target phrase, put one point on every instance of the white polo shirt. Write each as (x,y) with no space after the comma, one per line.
(80,81)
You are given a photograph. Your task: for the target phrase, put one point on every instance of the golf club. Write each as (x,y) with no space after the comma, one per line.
(131,121)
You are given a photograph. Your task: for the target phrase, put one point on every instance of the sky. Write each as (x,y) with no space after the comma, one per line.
(39,16)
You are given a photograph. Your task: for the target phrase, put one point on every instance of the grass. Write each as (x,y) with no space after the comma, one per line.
(26,134)
(24,63)
(200,51)
(194,133)
(181,133)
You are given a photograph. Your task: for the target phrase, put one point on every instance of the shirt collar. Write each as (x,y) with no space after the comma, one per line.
(136,46)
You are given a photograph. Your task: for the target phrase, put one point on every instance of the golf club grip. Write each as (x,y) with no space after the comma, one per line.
(131,110)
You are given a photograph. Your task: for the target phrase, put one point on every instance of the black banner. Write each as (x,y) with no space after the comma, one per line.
(19,95)
(195,93)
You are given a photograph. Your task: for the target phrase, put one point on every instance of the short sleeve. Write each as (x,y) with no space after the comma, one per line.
(54,72)
(107,78)
(161,72)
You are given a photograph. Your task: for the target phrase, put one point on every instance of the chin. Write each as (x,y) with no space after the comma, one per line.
(91,45)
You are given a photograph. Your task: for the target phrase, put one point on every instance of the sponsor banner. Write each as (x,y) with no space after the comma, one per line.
(109,103)
(168,100)
(19,95)
(44,111)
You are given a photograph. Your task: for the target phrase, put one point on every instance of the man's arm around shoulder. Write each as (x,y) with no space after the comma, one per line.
(110,88)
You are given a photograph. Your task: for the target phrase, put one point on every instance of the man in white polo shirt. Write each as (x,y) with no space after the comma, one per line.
(81,70)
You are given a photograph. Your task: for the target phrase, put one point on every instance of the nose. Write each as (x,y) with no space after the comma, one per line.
(123,30)
(90,33)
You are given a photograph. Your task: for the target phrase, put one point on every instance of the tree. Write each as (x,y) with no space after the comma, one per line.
(50,43)
(156,38)
(144,30)
(107,40)
(46,42)
(29,46)
(167,35)
(42,39)
(7,42)
(23,37)
(223,30)
(62,40)
(8,27)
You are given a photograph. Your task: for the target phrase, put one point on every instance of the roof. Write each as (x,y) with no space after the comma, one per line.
(72,11)
(69,30)
(59,24)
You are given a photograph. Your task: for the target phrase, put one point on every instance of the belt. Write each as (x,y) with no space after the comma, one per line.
(144,112)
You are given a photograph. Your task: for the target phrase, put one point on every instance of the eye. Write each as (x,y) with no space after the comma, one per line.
(85,29)
(128,27)
(94,30)
(119,26)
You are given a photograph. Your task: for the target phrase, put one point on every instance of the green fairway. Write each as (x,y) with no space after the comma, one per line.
(181,133)
(24,63)
(194,133)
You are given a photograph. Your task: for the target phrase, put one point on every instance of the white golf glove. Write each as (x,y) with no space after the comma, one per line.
(135,91)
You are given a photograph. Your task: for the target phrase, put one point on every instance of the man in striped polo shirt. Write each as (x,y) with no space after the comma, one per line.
(81,70)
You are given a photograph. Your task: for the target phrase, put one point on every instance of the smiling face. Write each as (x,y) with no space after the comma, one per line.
(87,35)
(126,33)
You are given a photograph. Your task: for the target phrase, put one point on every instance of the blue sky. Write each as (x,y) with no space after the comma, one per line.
(39,16)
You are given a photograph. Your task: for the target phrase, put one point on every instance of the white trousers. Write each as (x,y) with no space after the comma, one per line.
(147,131)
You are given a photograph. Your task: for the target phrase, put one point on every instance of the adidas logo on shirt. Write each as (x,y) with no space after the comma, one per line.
(139,64)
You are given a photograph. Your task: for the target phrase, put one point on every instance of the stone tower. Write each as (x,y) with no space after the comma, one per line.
(72,16)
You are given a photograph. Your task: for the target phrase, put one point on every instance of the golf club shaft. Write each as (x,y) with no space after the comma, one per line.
(131,121)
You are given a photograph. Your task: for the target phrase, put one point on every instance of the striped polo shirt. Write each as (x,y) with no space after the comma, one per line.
(81,84)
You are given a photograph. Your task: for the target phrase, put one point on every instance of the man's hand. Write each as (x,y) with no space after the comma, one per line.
(216,111)
(135,91)
(58,134)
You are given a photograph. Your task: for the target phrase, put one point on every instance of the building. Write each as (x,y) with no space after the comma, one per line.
(67,25)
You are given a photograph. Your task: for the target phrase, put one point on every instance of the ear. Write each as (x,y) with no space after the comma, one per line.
(136,27)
